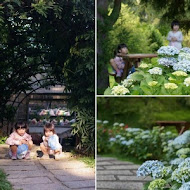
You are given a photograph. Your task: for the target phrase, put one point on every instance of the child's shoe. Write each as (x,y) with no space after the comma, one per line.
(118,74)
(13,157)
(45,157)
(27,156)
(57,156)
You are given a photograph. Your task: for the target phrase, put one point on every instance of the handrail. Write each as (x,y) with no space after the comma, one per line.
(137,56)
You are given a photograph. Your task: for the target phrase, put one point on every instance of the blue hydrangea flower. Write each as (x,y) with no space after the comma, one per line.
(133,130)
(118,136)
(185,163)
(112,139)
(176,161)
(182,173)
(168,51)
(183,65)
(123,142)
(185,186)
(122,138)
(185,49)
(151,167)
(184,56)
(182,139)
(167,61)
(129,142)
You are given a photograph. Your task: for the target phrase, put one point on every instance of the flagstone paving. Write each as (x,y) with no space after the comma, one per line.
(120,175)
(35,174)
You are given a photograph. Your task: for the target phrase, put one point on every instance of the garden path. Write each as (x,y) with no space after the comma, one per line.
(66,174)
(120,175)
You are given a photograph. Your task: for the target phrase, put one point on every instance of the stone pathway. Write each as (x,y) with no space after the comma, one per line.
(120,175)
(36,174)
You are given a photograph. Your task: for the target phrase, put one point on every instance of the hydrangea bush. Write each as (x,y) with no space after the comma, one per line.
(167,155)
(166,177)
(168,75)
(129,142)
(175,173)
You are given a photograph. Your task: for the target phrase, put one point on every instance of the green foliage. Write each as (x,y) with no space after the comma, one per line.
(157,184)
(156,40)
(129,30)
(142,144)
(90,161)
(154,79)
(42,6)
(54,39)
(84,128)
(4,184)
(3,139)
(143,112)
(103,135)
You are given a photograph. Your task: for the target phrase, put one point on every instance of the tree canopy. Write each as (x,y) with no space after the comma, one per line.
(44,43)
(143,25)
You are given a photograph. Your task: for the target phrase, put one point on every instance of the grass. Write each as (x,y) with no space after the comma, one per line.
(89,161)
(123,158)
(4,184)
(111,78)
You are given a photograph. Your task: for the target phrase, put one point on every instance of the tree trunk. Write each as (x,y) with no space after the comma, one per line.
(105,25)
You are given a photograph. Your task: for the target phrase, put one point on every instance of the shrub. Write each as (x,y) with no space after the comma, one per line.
(170,75)
(4,184)
(143,144)
(175,173)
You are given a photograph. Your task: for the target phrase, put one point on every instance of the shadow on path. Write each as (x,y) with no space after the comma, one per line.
(36,174)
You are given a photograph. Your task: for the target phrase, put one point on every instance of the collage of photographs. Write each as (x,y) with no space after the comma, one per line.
(94,95)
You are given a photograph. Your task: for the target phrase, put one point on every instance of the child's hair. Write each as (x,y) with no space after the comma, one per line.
(174,22)
(119,47)
(49,127)
(20,125)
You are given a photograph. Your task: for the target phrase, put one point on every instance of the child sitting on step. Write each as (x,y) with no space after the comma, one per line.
(20,142)
(50,144)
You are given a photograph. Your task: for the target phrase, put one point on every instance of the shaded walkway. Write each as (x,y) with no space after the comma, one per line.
(120,175)
(66,174)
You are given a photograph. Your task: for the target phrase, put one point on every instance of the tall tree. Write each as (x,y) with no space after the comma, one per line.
(172,9)
(105,24)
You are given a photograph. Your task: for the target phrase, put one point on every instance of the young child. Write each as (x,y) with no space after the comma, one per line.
(50,144)
(175,36)
(118,63)
(20,142)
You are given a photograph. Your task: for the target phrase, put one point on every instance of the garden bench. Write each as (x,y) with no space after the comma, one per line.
(181,126)
(131,59)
